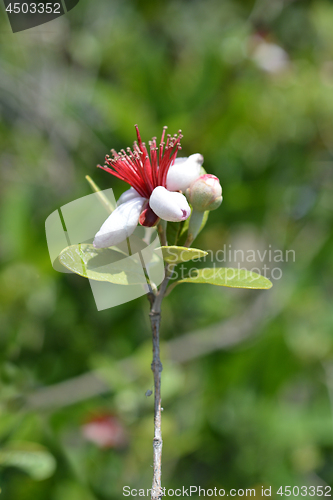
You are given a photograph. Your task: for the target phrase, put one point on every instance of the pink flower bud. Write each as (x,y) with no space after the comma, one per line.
(205,193)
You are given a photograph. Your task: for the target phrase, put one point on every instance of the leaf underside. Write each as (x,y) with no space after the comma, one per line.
(229,277)
(103,264)
(175,255)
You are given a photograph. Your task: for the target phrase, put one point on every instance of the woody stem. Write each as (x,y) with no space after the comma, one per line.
(156,366)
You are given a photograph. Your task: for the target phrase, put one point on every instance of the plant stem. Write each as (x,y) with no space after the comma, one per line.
(156,366)
(161,228)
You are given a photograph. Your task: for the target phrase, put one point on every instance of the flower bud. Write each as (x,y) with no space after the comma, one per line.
(205,193)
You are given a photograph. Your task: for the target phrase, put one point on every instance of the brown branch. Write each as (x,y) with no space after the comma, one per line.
(156,366)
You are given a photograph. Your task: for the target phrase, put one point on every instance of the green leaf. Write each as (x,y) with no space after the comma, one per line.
(204,220)
(184,230)
(174,254)
(227,276)
(103,264)
(33,458)
(173,231)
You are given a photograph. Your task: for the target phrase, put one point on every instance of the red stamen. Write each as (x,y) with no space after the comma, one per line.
(142,172)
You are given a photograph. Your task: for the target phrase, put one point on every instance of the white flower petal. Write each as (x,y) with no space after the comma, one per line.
(168,205)
(183,172)
(128,195)
(180,160)
(120,224)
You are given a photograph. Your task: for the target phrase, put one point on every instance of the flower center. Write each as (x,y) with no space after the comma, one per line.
(142,170)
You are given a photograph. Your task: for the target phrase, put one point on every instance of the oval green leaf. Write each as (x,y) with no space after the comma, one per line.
(174,254)
(32,458)
(228,276)
(103,264)
(183,232)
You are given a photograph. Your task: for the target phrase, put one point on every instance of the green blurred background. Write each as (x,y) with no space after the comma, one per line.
(248,375)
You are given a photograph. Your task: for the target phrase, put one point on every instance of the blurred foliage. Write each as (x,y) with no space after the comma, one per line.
(250,85)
